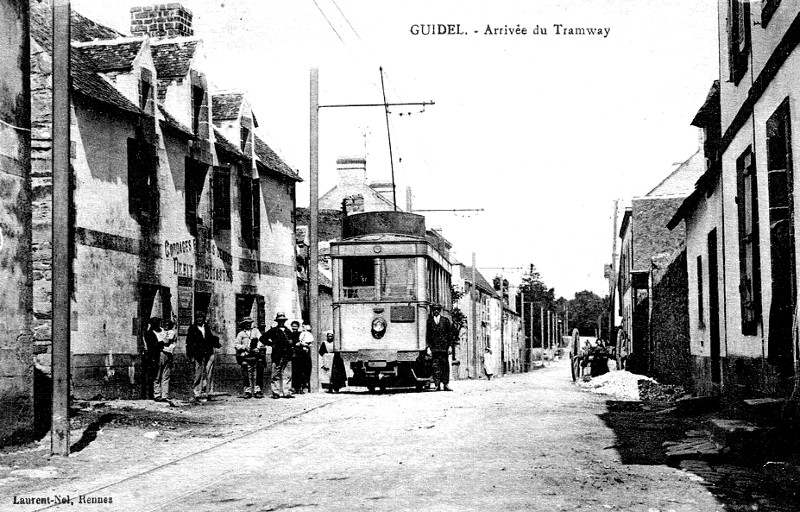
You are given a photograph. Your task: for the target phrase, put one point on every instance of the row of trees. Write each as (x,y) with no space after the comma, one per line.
(587,310)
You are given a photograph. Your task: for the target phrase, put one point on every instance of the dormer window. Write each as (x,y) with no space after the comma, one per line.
(245,135)
(145,89)
(198,94)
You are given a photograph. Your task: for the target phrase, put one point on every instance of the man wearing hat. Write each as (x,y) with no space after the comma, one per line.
(248,344)
(280,339)
(439,338)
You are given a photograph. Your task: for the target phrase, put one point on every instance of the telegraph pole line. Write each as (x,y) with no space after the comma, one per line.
(61,234)
(313,224)
(313,230)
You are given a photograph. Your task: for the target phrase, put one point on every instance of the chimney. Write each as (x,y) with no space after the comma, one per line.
(352,171)
(161,20)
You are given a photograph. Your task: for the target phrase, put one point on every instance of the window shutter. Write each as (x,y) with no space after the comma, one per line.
(256,210)
(246,207)
(221,194)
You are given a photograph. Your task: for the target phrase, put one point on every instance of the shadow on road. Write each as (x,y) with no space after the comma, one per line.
(641,431)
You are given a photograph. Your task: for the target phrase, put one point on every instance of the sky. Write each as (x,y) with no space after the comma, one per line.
(541,131)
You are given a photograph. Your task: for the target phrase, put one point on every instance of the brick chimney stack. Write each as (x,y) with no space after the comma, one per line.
(161,20)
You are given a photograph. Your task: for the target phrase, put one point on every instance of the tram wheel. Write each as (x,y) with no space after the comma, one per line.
(371,389)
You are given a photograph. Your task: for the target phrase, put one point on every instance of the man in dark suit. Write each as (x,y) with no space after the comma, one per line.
(200,345)
(281,340)
(439,338)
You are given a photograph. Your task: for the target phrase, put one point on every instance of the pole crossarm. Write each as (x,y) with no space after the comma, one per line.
(452,210)
(384,105)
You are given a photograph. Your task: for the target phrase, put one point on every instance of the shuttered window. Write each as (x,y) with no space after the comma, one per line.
(749,260)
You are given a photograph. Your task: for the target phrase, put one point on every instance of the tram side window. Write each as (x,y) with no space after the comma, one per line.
(398,278)
(358,278)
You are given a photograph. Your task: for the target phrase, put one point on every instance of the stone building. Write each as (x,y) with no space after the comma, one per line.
(16,381)
(651,279)
(742,217)
(179,206)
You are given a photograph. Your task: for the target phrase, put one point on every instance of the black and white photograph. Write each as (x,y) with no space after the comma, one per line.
(444,255)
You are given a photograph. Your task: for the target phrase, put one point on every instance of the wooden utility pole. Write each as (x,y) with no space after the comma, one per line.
(541,343)
(475,295)
(612,278)
(524,338)
(61,234)
(313,229)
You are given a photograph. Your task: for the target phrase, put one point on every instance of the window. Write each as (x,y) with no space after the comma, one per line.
(701,323)
(145,89)
(245,135)
(250,209)
(768,8)
(221,207)
(198,97)
(358,278)
(398,278)
(781,207)
(194,183)
(738,38)
(143,193)
(256,189)
(749,261)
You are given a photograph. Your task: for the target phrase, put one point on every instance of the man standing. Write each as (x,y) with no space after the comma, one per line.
(200,345)
(248,345)
(280,339)
(153,343)
(440,339)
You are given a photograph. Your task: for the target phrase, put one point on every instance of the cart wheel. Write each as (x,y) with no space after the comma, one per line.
(575,367)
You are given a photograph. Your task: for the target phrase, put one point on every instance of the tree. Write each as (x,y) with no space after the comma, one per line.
(586,310)
(536,293)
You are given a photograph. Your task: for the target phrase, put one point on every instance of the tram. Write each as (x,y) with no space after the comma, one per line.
(387,271)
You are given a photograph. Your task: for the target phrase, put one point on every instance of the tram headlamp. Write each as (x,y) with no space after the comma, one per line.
(378,327)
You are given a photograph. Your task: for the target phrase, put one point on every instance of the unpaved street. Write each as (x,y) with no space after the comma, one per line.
(523,442)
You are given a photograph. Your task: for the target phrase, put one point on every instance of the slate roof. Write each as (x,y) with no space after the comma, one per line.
(172,58)
(225,107)
(85,81)
(117,56)
(272,161)
(483,284)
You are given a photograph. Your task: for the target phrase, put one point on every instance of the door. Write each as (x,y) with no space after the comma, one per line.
(713,312)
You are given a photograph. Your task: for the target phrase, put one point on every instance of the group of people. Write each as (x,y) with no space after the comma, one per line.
(290,357)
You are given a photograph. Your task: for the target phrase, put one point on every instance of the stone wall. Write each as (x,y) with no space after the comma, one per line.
(16,362)
(669,324)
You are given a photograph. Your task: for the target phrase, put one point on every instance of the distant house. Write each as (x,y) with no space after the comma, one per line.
(652,277)
(497,326)
(355,193)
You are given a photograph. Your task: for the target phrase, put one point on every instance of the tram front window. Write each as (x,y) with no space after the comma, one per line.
(358,278)
(398,278)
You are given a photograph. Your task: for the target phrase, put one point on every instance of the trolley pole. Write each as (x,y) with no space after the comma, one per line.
(313,231)
(59,436)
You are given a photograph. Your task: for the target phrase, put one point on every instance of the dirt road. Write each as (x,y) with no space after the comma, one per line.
(523,442)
